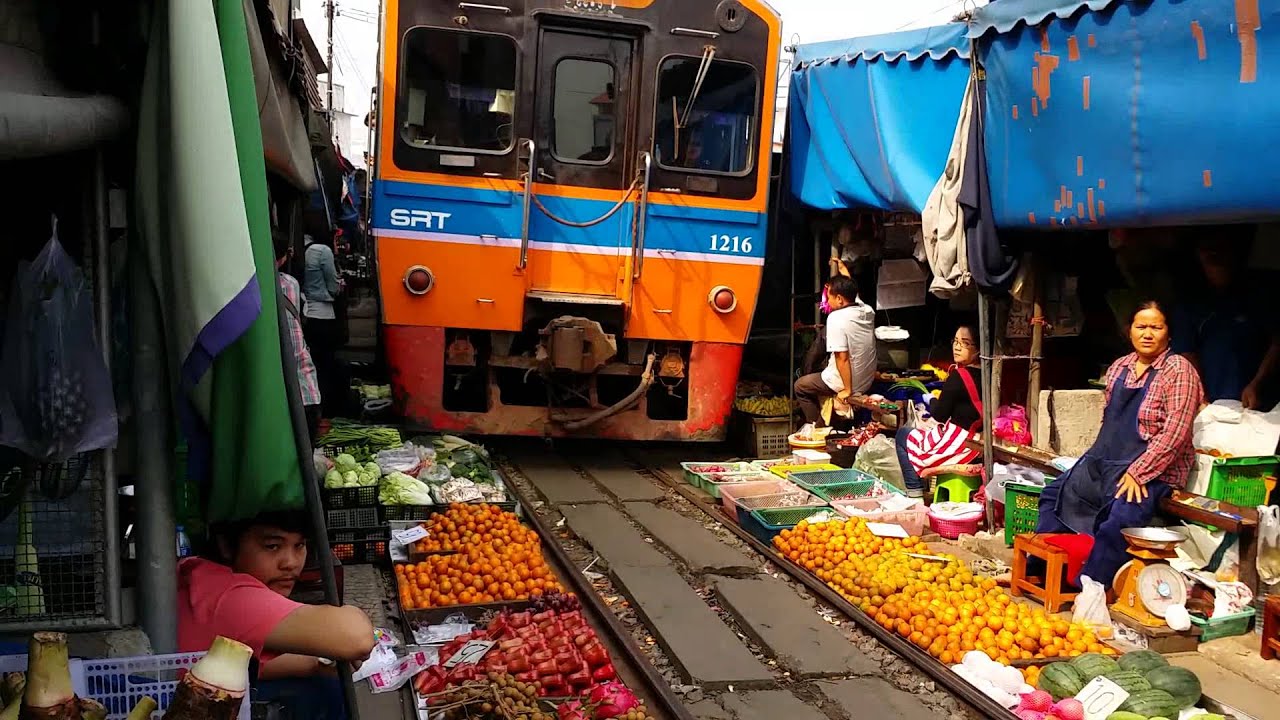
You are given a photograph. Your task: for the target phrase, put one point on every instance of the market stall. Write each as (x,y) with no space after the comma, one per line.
(494,621)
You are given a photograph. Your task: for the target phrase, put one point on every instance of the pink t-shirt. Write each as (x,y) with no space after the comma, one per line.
(215,600)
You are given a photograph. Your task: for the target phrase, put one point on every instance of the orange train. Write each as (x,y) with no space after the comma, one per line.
(570,207)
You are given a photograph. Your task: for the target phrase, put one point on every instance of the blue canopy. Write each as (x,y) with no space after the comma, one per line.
(1133,113)
(872,118)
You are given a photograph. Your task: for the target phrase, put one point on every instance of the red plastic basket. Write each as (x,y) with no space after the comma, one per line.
(953,528)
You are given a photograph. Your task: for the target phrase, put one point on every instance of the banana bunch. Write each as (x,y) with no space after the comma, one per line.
(764,407)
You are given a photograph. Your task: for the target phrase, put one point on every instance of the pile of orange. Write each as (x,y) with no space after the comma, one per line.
(940,606)
(484,555)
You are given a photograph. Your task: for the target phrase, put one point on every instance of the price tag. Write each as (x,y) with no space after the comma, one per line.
(471,653)
(1100,698)
(408,536)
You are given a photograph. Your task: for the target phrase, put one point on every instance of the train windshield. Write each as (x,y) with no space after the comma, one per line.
(458,90)
(713,133)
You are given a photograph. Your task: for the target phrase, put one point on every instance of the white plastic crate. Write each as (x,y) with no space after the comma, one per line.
(18,663)
(119,683)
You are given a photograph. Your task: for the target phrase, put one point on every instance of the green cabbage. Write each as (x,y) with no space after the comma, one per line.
(333,479)
(345,462)
(400,489)
(373,469)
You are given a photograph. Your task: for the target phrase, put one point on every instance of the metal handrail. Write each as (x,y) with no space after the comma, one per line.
(646,157)
(528,195)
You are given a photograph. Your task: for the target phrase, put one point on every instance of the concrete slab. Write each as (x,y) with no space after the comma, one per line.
(789,629)
(875,699)
(700,646)
(1229,688)
(769,705)
(610,535)
(621,480)
(555,480)
(708,710)
(696,546)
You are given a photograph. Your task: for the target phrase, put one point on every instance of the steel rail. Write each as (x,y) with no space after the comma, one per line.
(656,685)
(923,661)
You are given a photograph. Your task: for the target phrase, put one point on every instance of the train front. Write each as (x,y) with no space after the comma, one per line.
(570,209)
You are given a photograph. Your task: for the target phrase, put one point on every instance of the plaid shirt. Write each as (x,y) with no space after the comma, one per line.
(308,387)
(1165,418)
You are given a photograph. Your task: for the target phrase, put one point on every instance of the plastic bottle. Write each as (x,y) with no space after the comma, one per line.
(184,543)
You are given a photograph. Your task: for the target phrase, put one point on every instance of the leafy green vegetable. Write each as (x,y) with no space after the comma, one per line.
(333,479)
(400,489)
(345,463)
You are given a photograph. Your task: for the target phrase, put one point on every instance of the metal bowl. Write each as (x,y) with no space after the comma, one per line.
(1154,538)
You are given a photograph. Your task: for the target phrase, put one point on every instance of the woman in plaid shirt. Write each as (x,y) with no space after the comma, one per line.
(1143,450)
(308,385)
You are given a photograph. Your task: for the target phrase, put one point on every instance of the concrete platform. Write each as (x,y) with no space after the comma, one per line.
(556,480)
(769,705)
(704,651)
(622,480)
(1230,688)
(696,546)
(789,629)
(875,699)
(612,538)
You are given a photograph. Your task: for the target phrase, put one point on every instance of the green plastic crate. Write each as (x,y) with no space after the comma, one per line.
(1242,481)
(1227,626)
(765,523)
(694,471)
(1021,510)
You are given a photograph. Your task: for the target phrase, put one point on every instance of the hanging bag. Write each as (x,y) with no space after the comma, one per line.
(56,398)
(1268,544)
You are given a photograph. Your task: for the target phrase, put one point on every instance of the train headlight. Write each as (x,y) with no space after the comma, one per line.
(419,280)
(722,299)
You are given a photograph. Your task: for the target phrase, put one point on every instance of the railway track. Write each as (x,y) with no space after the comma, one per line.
(568,483)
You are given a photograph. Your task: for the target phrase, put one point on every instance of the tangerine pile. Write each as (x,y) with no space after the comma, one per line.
(494,558)
(941,607)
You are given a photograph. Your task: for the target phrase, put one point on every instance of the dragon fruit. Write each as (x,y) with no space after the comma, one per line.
(572,710)
(1024,714)
(612,699)
(1069,709)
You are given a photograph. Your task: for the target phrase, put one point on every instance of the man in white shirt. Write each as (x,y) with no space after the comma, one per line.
(851,342)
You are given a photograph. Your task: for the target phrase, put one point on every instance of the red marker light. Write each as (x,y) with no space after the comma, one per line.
(419,280)
(722,299)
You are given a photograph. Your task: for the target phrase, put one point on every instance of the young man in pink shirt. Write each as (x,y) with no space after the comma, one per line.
(245,597)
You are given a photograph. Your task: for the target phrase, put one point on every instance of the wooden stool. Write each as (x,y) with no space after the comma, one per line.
(1050,590)
(1271,627)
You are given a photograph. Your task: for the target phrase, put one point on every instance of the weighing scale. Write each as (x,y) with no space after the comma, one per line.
(1146,586)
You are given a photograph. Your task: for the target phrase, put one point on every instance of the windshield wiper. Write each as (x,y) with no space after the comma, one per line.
(708,54)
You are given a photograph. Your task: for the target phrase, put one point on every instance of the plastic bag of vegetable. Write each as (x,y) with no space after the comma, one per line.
(402,459)
(436,474)
(56,397)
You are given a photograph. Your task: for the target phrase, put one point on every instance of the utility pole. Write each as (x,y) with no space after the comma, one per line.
(329,12)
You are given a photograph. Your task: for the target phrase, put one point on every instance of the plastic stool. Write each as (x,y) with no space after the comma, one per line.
(1051,590)
(957,487)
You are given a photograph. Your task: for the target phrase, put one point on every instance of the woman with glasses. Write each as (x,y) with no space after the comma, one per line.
(955,413)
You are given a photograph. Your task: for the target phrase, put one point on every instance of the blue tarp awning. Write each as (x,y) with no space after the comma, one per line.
(1139,113)
(872,118)
(1098,112)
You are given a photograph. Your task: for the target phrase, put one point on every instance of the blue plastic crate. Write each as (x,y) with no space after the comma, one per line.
(766,523)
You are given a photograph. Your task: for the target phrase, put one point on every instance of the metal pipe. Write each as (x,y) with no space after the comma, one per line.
(1037,346)
(647,158)
(156,535)
(646,380)
(319,541)
(528,204)
(464,6)
(111,601)
(984,341)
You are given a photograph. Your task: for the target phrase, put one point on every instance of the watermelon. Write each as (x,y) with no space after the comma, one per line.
(1129,680)
(1061,680)
(1180,683)
(1142,661)
(1091,665)
(1152,703)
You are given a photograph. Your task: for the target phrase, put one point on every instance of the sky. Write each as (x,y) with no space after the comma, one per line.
(803,21)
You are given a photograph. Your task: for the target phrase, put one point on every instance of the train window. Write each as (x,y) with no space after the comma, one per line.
(583,111)
(458,90)
(707,114)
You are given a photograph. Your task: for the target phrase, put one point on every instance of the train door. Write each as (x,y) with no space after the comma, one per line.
(582,168)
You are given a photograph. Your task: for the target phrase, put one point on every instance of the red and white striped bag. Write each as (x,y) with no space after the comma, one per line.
(943,443)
